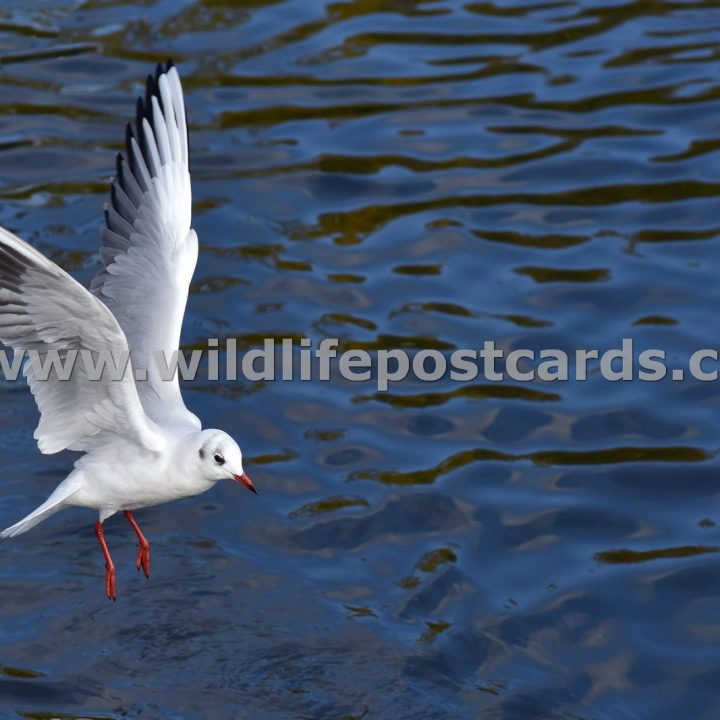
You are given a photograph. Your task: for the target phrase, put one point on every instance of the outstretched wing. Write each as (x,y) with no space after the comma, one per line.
(43,311)
(148,249)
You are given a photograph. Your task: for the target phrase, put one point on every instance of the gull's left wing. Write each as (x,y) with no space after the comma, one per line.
(42,311)
(149,250)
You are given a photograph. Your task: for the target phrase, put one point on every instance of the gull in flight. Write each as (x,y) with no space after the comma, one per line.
(141,445)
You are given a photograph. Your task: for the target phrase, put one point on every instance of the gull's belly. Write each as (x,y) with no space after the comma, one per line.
(130,486)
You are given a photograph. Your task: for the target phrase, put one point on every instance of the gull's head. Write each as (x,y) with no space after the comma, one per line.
(220,458)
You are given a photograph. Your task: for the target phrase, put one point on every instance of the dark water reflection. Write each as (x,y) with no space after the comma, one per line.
(394,174)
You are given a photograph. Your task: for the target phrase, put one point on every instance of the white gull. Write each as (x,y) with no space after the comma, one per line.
(141,445)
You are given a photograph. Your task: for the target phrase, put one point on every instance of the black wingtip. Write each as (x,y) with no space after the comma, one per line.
(143,111)
(129,135)
(140,115)
(150,90)
(119,169)
(153,90)
(113,197)
(12,265)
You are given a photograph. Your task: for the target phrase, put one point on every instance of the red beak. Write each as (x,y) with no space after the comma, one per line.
(246,481)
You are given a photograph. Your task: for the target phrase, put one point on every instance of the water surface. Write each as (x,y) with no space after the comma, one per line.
(394,174)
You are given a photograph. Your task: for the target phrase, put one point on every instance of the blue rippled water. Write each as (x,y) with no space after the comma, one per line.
(393,173)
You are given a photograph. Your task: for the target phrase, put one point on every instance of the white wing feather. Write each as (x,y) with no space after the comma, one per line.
(42,309)
(149,251)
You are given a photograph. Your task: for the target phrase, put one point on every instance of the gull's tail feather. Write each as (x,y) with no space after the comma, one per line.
(54,503)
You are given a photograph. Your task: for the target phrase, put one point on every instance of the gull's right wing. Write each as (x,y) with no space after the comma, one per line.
(149,250)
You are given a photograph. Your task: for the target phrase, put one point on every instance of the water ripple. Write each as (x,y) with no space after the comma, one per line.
(419,174)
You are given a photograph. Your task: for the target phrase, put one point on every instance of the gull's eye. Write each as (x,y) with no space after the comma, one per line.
(219,459)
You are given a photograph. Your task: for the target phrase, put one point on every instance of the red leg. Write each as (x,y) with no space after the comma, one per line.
(143,556)
(109,567)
